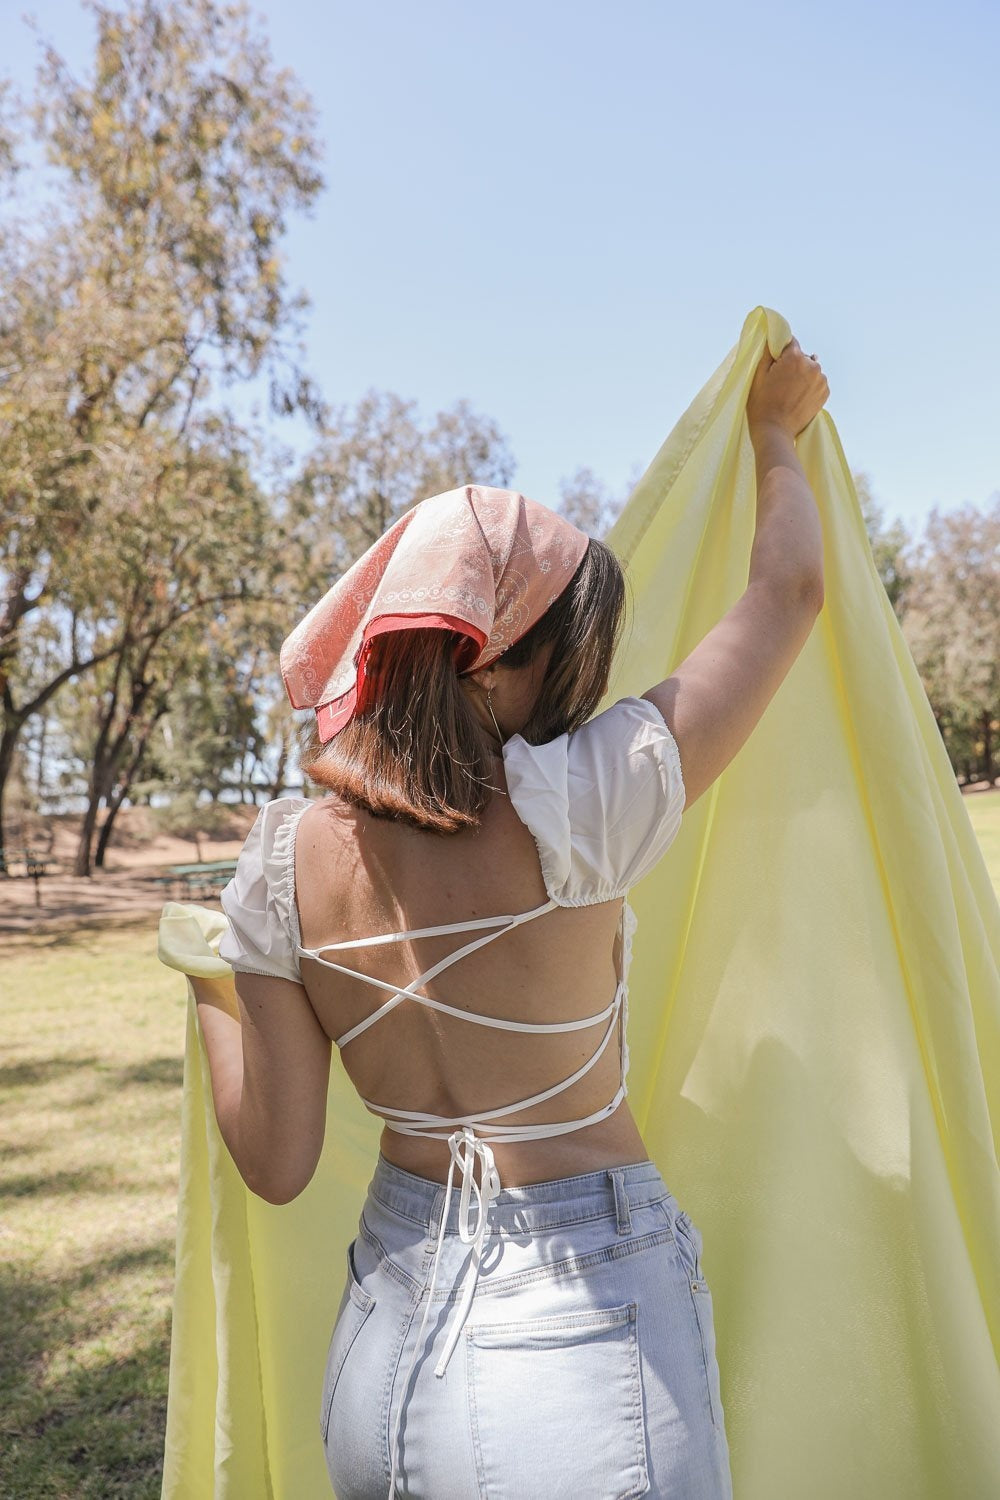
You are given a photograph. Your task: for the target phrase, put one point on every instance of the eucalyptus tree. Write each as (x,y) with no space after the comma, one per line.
(951,623)
(153,283)
(372,463)
(183,570)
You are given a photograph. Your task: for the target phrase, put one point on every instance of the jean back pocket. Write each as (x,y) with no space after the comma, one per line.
(355,1306)
(556,1406)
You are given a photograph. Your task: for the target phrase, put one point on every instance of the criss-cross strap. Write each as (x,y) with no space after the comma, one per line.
(417,1122)
(470,925)
(399,993)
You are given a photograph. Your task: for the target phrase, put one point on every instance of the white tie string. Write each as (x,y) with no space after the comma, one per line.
(465,1148)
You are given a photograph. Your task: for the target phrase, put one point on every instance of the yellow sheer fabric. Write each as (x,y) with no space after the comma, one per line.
(815,1044)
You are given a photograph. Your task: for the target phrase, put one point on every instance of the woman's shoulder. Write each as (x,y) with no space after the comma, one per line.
(279,822)
(615,747)
(603,801)
(260,898)
(278,810)
(270,843)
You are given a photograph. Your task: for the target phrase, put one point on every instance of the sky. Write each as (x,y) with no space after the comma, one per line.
(563,211)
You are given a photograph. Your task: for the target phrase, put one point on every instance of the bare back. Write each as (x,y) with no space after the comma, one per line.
(360,875)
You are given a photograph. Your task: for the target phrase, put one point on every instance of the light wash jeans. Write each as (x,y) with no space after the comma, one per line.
(586,1368)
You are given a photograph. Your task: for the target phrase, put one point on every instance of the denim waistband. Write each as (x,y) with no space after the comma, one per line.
(610,1192)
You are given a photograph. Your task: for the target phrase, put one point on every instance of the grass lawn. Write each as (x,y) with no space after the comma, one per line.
(984,815)
(90,1084)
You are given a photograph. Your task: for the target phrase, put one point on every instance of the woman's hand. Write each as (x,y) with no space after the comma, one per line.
(786,392)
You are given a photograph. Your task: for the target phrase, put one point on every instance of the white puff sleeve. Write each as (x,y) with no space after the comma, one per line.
(260,899)
(603,803)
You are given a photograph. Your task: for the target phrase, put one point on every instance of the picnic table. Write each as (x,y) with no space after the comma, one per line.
(33,861)
(205,878)
(35,864)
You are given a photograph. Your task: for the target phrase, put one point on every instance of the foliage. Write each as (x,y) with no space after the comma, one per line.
(585,500)
(187,148)
(158,277)
(889,544)
(952,626)
(187,817)
(370,465)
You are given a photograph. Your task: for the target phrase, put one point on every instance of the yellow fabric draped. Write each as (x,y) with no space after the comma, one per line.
(815,1044)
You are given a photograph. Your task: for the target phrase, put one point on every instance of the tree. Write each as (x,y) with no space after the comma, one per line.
(205,548)
(186,817)
(952,626)
(890,545)
(372,464)
(209,729)
(586,501)
(157,278)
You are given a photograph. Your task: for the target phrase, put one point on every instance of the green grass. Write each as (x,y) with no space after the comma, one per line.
(90,1088)
(984,815)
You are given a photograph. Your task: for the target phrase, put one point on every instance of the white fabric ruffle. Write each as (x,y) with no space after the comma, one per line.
(260,899)
(603,803)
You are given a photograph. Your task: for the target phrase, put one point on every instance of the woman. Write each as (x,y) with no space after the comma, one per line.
(525,1313)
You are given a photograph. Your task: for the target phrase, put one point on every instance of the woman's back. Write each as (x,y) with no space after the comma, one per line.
(356,875)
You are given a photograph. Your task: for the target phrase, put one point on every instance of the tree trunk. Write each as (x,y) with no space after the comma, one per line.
(104,837)
(279,774)
(40,787)
(125,785)
(8,744)
(987,722)
(101,782)
(15,718)
(81,863)
(109,752)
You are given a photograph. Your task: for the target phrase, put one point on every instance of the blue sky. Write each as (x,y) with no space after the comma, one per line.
(564,212)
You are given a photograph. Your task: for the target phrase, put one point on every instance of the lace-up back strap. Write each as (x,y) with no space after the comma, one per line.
(398,993)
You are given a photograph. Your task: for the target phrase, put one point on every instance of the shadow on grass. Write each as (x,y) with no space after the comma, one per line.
(76,932)
(43,1070)
(94,1431)
(161,1072)
(166,1072)
(95,1179)
(8,1151)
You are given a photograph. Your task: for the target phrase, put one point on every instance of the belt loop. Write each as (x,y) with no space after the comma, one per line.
(439,1206)
(622,1211)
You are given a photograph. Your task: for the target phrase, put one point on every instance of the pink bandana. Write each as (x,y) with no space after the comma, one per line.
(482,561)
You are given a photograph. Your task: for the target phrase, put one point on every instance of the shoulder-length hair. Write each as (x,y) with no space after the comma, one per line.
(415,751)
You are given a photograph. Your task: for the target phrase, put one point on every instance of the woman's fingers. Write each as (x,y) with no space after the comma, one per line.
(788,390)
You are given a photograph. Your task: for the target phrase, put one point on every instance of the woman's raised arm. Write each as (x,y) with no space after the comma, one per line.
(719,692)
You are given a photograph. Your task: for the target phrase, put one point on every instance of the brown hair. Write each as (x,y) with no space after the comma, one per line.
(415,751)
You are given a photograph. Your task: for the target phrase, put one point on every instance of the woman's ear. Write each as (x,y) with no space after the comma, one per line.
(484,678)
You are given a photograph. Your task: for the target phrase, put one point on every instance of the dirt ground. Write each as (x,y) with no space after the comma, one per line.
(125,891)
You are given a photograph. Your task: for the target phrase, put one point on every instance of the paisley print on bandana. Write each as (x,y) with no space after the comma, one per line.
(481,561)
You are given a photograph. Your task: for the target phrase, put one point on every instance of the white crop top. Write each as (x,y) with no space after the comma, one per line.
(603,805)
